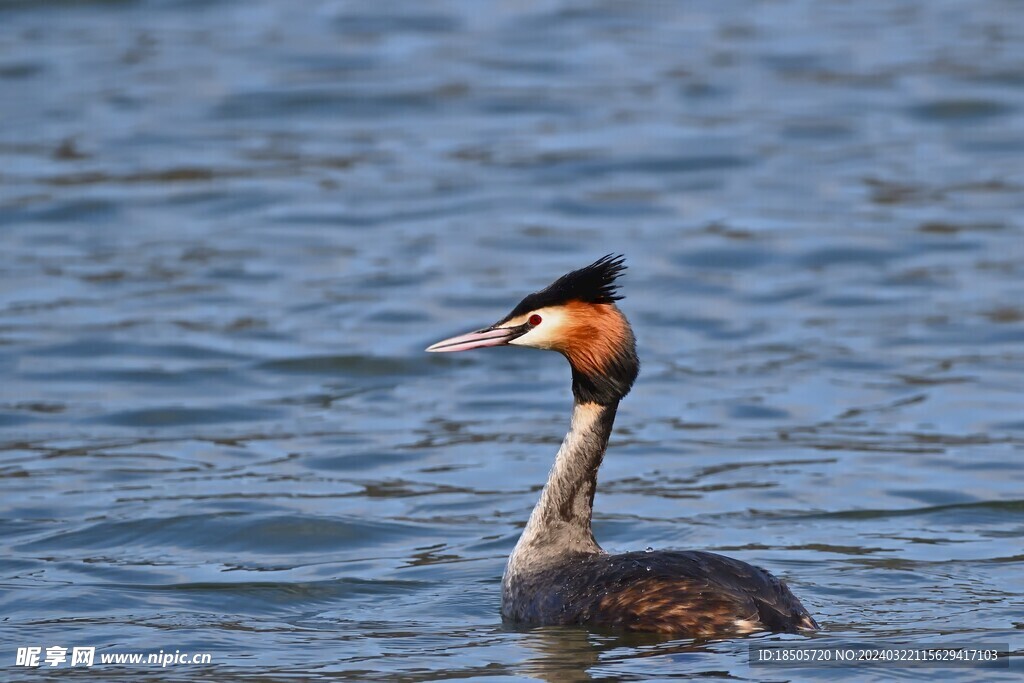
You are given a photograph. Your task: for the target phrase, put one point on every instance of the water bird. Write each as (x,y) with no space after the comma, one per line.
(558,574)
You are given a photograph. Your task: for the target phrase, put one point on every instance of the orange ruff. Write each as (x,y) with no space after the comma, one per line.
(595,335)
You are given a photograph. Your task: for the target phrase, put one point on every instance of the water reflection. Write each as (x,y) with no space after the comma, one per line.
(570,654)
(561,654)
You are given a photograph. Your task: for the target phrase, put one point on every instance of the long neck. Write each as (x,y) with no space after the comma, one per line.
(560,522)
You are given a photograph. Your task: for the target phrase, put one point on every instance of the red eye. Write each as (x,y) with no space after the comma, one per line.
(535,320)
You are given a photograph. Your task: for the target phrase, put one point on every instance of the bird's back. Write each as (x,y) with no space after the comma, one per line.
(686,593)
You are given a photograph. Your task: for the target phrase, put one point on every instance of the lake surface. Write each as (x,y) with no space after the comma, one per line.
(229,229)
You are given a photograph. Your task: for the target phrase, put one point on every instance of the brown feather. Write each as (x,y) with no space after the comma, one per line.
(596,334)
(685,593)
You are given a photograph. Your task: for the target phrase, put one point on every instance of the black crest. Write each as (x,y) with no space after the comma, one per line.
(594,284)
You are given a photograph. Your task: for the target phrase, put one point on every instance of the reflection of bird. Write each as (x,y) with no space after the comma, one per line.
(558,574)
(561,654)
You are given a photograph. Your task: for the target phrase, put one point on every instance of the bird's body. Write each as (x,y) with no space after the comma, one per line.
(692,593)
(558,574)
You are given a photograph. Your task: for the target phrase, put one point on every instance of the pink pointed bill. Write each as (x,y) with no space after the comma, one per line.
(477,340)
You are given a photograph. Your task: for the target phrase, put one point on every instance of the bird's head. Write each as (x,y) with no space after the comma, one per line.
(576,315)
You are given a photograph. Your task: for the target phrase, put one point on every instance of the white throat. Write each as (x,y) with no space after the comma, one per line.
(560,521)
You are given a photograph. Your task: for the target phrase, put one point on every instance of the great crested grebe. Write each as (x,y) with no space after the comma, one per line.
(557,573)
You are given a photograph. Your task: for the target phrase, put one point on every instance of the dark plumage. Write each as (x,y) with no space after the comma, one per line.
(594,284)
(685,592)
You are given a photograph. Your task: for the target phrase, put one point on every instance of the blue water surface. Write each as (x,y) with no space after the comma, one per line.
(228,230)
